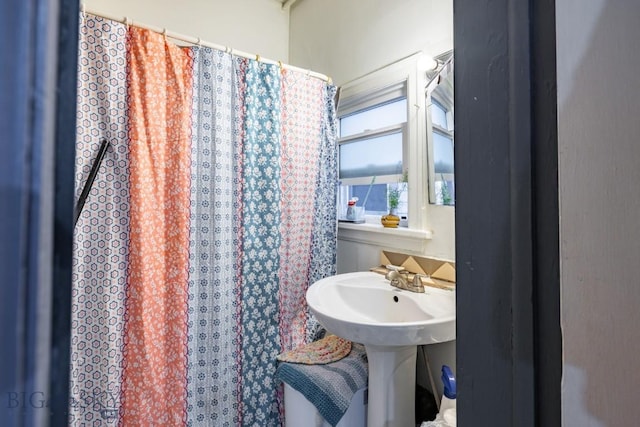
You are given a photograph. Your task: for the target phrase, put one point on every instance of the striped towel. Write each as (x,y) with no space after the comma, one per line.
(328,387)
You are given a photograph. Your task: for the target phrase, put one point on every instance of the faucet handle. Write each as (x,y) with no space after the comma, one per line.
(395,275)
(417,279)
(397,268)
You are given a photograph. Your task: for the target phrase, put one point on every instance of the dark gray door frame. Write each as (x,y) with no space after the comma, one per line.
(508,327)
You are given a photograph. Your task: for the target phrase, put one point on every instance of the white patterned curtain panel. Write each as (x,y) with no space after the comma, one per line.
(102,232)
(213,366)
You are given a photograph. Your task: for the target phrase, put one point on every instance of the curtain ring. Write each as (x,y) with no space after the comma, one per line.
(126,21)
(199,42)
(257,57)
(280,65)
(164,34)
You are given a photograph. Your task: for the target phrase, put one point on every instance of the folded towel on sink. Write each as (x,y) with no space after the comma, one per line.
(329,387)
(326,350)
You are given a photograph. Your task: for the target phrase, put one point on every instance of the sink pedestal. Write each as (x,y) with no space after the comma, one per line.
(392,383)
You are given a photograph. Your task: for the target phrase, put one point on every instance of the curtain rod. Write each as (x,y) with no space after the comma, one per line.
(198,42)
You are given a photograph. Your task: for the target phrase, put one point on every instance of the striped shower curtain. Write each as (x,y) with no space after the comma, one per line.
(211,215)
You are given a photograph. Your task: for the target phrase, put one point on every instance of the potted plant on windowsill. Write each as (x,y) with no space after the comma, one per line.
(391,220)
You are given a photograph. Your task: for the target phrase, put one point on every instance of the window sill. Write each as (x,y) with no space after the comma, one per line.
(393,238)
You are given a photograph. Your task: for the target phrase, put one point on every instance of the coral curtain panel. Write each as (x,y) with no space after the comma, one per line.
(155,345)
(213,212)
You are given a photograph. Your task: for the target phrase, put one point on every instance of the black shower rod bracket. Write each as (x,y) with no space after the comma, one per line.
(104,144)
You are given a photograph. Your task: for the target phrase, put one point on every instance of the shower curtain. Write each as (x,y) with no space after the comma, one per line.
(211,215)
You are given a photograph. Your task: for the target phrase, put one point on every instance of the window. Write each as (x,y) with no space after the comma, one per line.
(378,142)
(439,119)
(442,137)
(397,122)
(371,146)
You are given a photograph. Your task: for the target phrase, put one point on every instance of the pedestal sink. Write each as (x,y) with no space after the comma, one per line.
(363,307)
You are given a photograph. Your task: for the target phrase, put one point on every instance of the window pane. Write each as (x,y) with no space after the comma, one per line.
(377,200)
(438,115)
(377,117)
(445,192)
(377,156)
(442,153)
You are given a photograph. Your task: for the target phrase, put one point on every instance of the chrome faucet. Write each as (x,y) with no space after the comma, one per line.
(400,279)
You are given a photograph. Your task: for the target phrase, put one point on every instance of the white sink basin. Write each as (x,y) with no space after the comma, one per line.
(363,307)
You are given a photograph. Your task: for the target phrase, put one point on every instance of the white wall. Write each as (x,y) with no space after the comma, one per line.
(599,182)
(253,26)
(348,39)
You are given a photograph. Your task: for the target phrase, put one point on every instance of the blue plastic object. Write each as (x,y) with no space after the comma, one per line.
(449,381)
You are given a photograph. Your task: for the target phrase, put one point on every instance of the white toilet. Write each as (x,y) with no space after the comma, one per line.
(299,412)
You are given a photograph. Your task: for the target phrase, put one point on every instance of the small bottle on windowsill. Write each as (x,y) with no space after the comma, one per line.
(351,210)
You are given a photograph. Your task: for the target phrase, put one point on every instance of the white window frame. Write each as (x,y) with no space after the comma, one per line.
(433,79)
(448,106)
(384,85)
